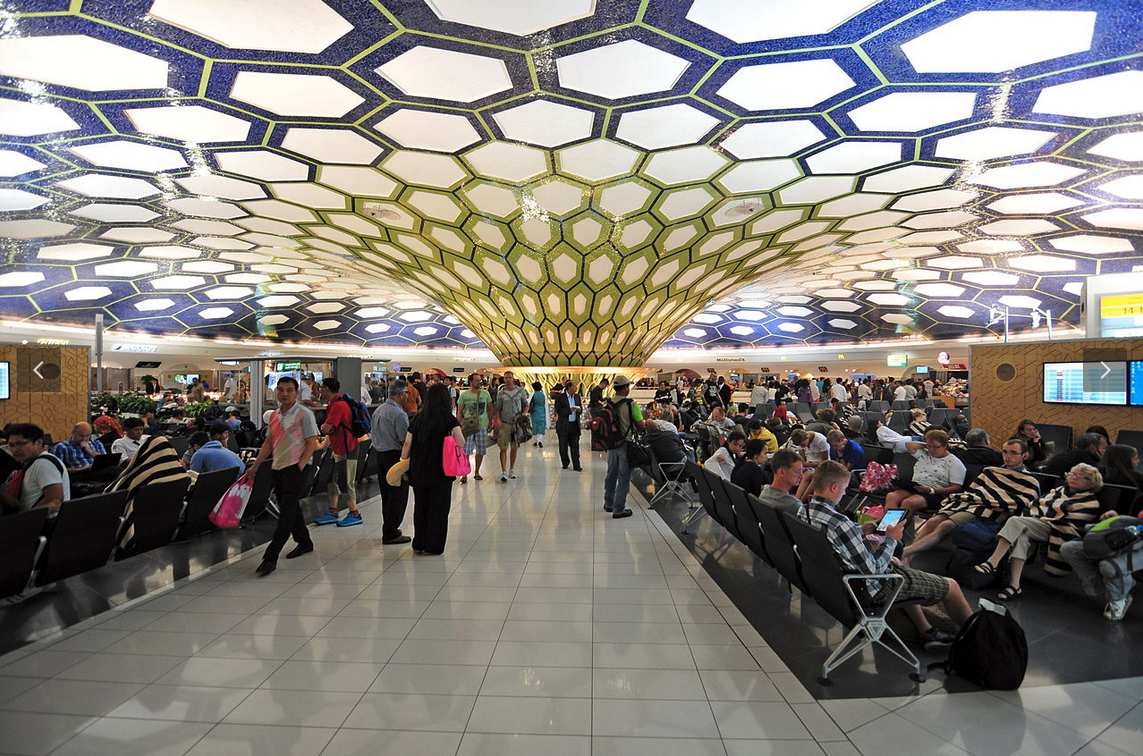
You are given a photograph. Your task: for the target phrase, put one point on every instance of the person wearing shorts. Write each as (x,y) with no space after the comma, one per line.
(337,426)
(511,402)
(848,542)
(473,404)
(996,493)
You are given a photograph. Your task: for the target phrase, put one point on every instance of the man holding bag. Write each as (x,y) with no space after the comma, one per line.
(472,413)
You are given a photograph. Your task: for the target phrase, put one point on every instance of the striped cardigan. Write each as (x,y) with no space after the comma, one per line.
(155,462)
(1066,514)
(995,492)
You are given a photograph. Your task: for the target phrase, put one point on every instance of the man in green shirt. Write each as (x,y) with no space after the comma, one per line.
(472,412)
(617,482)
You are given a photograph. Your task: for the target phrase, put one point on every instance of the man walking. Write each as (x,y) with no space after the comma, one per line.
(291,440)
(472,414)
(511,401)
(390,426)
(569,405)
(618,480)
(337,426)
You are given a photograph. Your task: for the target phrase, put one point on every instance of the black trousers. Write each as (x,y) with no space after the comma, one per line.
(430,516)
(569,444)
(394,499)
(291,521)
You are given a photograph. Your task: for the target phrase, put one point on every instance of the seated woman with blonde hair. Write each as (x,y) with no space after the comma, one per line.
(1058,517)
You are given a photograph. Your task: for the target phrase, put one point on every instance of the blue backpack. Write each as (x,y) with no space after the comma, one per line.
(359,421)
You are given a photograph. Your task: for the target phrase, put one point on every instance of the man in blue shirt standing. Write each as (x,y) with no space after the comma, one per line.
(213,455)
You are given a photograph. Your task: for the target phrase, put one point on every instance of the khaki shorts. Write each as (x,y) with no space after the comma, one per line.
(506,437)
(347,462)
(962,518)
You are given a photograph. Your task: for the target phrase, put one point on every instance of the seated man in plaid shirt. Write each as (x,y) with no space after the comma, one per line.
(848,542)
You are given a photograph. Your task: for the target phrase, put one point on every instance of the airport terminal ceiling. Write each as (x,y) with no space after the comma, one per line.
(566,182)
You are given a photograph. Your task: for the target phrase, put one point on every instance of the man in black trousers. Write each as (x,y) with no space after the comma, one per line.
(569,406)
(291,441)
(390,425)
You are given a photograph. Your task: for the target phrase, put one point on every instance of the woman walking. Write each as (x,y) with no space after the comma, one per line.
(432,489)
(538,412)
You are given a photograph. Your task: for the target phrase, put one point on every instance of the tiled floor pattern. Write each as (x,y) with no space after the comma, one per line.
(546,629)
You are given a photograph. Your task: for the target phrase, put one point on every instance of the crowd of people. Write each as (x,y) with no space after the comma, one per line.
(958,477)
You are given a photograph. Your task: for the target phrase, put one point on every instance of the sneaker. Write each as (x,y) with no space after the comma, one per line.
(937,639)
(503,477)
(353,518)
(512,473)
(329,518)
(621,515)
(1117,610)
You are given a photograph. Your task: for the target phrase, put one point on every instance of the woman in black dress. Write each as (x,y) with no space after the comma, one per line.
(432,489)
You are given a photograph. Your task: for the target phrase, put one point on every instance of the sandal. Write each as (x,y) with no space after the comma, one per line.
(478,477)
(1009,592)
(464,479)
(985,568)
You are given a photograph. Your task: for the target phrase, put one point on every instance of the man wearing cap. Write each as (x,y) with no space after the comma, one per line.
(618,480)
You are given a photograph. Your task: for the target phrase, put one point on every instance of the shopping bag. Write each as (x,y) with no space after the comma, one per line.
(227,513)
(454,459)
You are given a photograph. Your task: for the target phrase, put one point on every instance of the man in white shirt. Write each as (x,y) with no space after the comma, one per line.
(133,438)
(910,391)
(899,393)
(228,388)
(840,393)
(864,394)
(43,481)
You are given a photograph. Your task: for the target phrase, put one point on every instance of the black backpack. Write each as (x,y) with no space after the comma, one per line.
(990,650)
(359,421)
(606,433)
(1111,537)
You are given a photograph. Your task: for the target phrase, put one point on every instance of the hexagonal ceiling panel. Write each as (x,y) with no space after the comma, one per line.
(565,182)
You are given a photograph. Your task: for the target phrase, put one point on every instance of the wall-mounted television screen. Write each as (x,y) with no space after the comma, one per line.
(1135,377)
(187,378)
(921,369)
(1085,383)
(5,381)
(897,360)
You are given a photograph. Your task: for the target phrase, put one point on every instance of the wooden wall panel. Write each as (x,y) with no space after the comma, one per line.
(997,405)
(54,411)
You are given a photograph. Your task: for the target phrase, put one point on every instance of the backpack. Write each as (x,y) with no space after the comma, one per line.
(961,567)
(977,536)
(1111,537)
(359,421)
(605,429)
(990,650)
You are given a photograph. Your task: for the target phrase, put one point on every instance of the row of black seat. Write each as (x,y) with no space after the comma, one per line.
(88,532)
(801,553)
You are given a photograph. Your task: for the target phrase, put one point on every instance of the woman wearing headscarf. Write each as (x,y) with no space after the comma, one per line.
(109,430)
(155,462)
(538,413)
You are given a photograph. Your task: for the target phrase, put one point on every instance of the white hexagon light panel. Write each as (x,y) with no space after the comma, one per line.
(564,182)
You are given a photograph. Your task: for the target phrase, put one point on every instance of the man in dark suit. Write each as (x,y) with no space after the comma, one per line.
(569,406)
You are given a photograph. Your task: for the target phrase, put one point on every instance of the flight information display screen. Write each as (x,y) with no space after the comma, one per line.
(1136,378)
(1121,316)
(5,381)
(1085,383)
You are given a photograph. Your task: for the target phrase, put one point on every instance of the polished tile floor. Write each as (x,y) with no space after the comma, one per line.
(546,628)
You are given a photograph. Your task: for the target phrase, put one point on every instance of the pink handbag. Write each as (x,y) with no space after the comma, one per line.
(455,460)
(228,512)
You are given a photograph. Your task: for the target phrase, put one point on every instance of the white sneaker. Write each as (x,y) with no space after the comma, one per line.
(503,477)
(1117,610)
(512,473)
